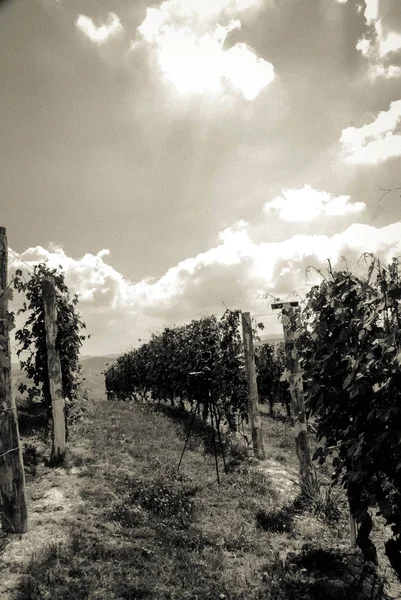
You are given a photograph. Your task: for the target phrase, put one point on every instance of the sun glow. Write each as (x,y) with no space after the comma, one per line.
(191,52)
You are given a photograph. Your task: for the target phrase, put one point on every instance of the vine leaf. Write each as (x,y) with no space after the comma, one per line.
(31,338)
(285,376)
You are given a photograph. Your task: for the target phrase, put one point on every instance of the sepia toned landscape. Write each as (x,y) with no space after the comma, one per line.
(200,300)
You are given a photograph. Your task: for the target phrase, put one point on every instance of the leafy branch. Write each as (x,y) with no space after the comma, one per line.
(31,338)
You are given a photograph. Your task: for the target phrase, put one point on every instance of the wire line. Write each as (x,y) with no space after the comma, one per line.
(20,259)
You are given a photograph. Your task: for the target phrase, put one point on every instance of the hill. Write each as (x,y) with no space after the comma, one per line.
(92,374)
(270,338)
(93,368)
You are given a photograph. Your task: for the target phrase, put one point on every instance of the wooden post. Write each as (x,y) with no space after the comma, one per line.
(13,509)
(352,528)
(307,472)
(54,368)
(253,398)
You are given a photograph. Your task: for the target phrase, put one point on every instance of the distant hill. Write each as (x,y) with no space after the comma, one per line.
(92,373)
(270,338)
(93,368)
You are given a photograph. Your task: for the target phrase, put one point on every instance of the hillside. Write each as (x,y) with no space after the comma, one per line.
(271,338)
(92,374)
(93,368)
(120,522)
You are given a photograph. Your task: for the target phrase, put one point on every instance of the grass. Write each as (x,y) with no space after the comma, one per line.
(277,520)
(143,529)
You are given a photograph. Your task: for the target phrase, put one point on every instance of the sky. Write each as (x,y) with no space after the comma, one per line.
(181,157)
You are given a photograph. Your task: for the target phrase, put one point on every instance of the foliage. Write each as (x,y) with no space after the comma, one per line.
(316,572)
(350,349)
(321,499)
(188,363)
(167,496)
(32,336)
(270,364)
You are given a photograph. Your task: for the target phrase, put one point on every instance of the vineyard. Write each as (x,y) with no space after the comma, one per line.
(333,388)
(181,365)
(347,340)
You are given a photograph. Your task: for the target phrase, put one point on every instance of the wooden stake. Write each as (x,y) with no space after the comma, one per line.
(253,397)
(307,472)
(13,509)
(352,528)
(54,368)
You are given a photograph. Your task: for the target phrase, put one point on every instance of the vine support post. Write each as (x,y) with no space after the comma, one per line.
(253,397)
(54,370)
(307,471)
(13,509)
(352,528)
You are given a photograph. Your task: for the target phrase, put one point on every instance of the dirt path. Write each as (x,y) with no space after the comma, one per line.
(285,481)
(53,500)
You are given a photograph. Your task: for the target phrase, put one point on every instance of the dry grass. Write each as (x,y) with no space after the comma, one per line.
(134,527)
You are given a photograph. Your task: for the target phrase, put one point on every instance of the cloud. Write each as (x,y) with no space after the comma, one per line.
(371,10)
(205,11)
(389,72)
(376,142)
(100,34)
(236,273)
(381,42)
(307,204)
(97,283)
(190,42)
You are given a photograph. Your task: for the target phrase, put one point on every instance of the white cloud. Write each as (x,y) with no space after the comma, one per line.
(207,10)
(152,24)
(189,38)
(375,142)
(379,43)
(388,44)
(389,72)
(371,10)
(364,46)
(307,204)
(236,272)
(100,34)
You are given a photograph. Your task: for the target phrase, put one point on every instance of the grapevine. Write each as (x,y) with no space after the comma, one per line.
(351,361)
(31,337)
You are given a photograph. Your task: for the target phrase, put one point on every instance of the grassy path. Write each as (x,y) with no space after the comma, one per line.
(119,521)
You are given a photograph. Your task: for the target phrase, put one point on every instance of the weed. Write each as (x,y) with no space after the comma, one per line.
(127,514)
(320,499)
(33,418)
(237,453)
(31,459)
(166,497)
(250,482)
(317,573)
(243,539)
